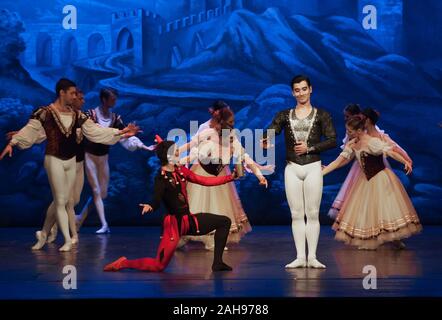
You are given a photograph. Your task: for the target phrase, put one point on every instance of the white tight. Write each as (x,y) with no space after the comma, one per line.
(303,186)
(97,171)
(61,175)
(74,199)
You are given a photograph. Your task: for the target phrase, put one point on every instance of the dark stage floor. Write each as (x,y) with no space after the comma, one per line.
(258,263)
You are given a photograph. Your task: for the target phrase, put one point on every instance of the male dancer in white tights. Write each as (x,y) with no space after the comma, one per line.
(304,125)
(64,129)
(97,156)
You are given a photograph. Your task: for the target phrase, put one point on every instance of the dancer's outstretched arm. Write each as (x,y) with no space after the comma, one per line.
(205,181)
(196,139)
(345,157)
(378,146)
(242,155)
(398,157)
(397,148)
(337,163)
(25,138)
(109,136)
(131,143)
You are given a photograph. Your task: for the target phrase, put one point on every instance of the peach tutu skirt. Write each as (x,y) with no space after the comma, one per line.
(376,211)
(222,200)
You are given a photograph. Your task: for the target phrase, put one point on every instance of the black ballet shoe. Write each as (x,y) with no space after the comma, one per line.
(221,267)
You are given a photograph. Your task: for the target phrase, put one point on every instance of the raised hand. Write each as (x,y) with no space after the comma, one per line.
(6,150)
(146,208)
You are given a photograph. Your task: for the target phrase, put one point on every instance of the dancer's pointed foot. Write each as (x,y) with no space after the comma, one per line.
(297,263)
(116,265)
(104,229)
(75,239)
(53,234)
(41,240)
(314,263)
(221,267)
(66,247)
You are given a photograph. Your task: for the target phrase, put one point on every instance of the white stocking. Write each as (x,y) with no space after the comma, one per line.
(61,175)
(303,185)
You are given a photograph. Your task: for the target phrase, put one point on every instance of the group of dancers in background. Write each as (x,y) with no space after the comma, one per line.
(372,206)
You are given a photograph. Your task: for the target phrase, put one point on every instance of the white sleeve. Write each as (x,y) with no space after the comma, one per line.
(98,134)
(377,146)
(30,134)
(132,143)
(347,153)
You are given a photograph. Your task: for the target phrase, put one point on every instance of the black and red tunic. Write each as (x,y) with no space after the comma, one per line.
(170,189)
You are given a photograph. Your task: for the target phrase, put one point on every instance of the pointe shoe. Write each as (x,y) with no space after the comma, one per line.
(75,240)
(66,247)
(53,234)
(314,263)
(221,267)
(297,263)
(104,229)
(41,240)
(116,265)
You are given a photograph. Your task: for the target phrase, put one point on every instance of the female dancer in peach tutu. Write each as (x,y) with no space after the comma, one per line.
(377,208)
(212,155)
(355,172)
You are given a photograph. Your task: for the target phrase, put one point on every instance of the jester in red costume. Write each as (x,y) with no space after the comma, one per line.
(170,188)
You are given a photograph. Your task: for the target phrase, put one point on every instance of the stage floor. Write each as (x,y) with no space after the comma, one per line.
(258,263)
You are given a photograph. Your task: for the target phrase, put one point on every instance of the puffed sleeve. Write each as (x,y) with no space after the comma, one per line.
(98,134)
(377,146)
(348,152)
(30,134)
(33,132)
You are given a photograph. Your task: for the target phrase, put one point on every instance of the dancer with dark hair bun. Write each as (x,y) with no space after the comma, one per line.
(377,208)
(371,118)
